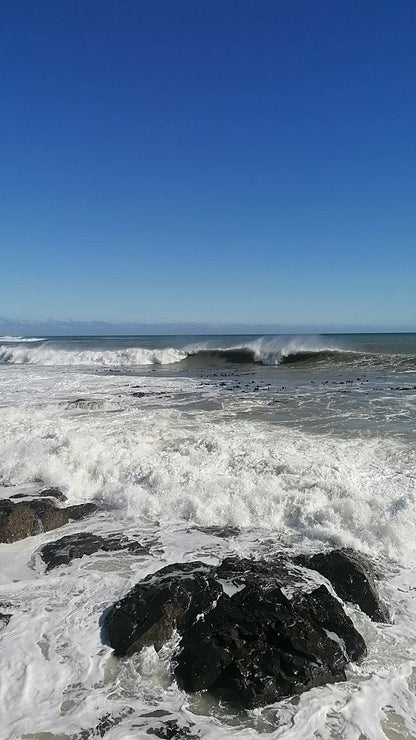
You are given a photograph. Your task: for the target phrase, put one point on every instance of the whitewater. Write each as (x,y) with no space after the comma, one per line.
(201,448)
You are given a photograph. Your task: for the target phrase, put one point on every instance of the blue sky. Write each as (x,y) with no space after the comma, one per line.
(211,161)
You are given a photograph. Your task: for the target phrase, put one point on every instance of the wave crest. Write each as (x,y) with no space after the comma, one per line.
(18,340)
(266,351)
(271,350)
(131,356)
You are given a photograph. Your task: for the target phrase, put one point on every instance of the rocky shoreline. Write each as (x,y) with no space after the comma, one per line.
(251,631)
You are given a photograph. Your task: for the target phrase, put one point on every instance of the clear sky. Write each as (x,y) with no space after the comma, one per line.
(209,160)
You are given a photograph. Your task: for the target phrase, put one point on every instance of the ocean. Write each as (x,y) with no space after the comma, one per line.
(202,447)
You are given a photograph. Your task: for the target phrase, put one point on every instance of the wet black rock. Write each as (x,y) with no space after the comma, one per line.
(104,725)
(223,532)
(252,632)
(170,599)
(66,549)
(353,578)
(27,518)
(4,619)
(171,730)
(54,493)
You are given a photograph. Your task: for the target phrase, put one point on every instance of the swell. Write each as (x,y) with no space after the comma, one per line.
(330,355)
(242,355)
(237,355)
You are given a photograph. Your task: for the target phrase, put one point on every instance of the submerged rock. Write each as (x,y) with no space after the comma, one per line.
(4,619)
(105,724)
(66,549)
(171,730)
(352,576)
(27,518)
(243,638)
(223,532)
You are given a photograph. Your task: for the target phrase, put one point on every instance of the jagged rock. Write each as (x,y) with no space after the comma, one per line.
(55,493)
(242,571)
(223,532)
(4,616)
(27,518)
(105,724)
(72,546)
(171,598)
(5,619)
(243,638)
(171,730)
(352,576)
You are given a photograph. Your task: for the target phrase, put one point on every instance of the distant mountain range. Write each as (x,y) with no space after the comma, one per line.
(53,327)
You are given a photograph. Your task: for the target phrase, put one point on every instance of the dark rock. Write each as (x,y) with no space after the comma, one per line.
(66,549)
(325,611)
(243,571)
(223,532)
(53,493)
(84,404)
(173,731)
(5,619)
(243,638)
(352,576)
(171,598)
(104,725)
(27,518)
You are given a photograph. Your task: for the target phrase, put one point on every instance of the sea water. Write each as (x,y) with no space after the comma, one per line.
(295,443)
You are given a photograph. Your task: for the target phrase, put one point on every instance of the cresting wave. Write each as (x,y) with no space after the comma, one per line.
(18,340)
(49,355)
(264,351)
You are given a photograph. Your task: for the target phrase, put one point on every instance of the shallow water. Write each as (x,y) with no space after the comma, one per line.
(302,455)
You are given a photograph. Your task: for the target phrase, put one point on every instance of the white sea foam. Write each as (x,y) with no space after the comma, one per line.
(161,462)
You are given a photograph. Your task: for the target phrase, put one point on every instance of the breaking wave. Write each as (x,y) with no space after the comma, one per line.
(131,356)
(241,355)
(266,351)
(18,340)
